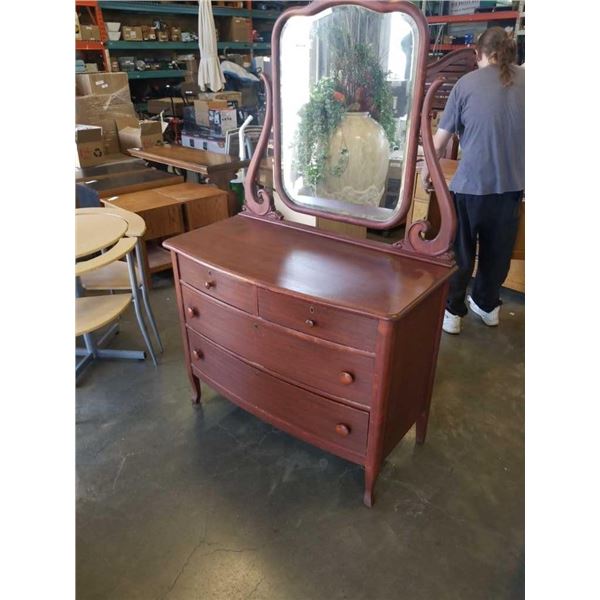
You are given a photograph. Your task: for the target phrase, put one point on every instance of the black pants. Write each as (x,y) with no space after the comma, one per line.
(493,221)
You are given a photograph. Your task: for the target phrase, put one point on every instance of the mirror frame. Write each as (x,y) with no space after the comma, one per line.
(412,138)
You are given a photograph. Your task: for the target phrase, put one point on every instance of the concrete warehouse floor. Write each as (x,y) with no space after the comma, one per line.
(178,503)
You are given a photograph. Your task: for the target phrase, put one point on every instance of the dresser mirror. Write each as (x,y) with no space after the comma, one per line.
(345,95)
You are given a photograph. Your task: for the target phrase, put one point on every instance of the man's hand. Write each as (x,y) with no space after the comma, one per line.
(425,179)
(440,141)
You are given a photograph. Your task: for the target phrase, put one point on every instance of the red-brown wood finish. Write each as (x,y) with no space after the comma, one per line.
(306,360)
(417,99)
(319,320)
(387,298)
(451,67)
(333,423)
(329,338)
(310,265)
(194,381)
(414,238)
(219,285)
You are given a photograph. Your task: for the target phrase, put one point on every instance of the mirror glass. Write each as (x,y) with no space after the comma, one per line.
(346,87)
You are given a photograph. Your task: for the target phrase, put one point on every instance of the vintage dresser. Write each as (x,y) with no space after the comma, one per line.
(329,338)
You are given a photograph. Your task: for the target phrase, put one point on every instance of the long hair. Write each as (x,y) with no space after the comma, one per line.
(498,45)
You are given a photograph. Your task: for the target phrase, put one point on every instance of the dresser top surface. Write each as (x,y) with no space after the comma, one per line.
(296,261)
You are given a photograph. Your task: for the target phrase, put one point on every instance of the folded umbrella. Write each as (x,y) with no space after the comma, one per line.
(209,72)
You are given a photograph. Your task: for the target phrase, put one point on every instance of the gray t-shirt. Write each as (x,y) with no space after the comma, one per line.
(490,122)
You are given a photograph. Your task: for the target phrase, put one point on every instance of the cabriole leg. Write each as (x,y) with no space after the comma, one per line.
(370,478)
(422,421)
(196,389)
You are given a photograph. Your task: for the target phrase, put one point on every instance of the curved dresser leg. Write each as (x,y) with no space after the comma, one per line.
(422,421)
(196,389)
(370,478)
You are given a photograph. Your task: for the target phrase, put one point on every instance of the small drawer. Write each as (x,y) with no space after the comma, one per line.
(322,321)
(217,284)
(301,413)
(322,365)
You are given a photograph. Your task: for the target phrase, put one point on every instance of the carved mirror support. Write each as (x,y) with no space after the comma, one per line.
(347,99)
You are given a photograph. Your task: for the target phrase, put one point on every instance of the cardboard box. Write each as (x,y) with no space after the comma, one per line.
(235,97)
(163,36)
(203,108)
(148,33)
(77,27)
(157,105)
(212,144)
(191,70)
(101,83)
(231,3)
(222,120)
(138,134)
(102,110)
(237,29)
(90,145)
(215,100)
(91,33)
(175,34)
(132,34)
(91,68)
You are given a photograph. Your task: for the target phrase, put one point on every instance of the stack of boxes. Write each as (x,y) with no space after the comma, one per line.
(236,29)
(102,99)
(206,123)
(151,33)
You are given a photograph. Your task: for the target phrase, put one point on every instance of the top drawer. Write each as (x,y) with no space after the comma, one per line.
(343,327)
(224,287)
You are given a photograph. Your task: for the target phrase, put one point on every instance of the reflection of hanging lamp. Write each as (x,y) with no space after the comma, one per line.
(357,166)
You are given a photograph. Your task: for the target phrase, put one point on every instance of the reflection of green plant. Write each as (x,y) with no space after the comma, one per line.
(357,83)
(360,75)
(319,118)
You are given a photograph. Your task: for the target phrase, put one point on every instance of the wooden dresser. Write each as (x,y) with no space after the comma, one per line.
(331,338)
(328,340)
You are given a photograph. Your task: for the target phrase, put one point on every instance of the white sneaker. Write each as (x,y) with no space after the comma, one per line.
(491,319)
(451,323)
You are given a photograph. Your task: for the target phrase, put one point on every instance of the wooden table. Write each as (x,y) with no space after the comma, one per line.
(131,182)
(95,232)
(219,169)
(171,210)
(127,165)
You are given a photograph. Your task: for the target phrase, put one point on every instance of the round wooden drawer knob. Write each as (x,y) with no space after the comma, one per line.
(342,429)
(209,284)
(310,322)
(346,378)
(197,354)
(191,311)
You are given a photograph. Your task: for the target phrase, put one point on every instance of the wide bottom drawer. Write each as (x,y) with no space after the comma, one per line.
(319,421)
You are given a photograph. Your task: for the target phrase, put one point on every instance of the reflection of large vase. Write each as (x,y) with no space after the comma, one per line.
(358,161)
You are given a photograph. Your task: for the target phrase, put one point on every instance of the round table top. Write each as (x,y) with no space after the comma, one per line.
(93,232)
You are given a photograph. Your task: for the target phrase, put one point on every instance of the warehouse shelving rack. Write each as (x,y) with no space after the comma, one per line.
(165,8)
(502,15)
(89,46)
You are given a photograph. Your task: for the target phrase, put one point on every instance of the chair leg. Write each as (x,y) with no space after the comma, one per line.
(145,298)
(136,306)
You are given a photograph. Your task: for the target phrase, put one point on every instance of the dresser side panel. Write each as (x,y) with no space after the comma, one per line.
(414,355)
